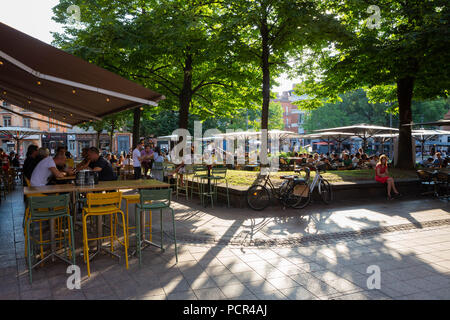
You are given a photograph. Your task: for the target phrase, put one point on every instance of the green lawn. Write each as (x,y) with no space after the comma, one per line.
(246,178)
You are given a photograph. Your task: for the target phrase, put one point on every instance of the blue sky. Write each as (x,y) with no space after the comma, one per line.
(33,17)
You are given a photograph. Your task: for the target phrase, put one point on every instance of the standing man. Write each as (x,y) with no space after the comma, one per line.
(137,158)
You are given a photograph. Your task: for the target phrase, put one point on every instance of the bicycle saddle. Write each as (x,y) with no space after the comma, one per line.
(290,177)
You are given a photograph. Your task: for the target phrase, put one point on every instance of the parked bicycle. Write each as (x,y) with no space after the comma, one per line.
(295,191)
(305,191)
(260,194)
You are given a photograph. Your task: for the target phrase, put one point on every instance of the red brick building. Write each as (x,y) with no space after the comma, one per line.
(293,117)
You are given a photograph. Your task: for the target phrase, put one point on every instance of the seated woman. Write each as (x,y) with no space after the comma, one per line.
(382,176)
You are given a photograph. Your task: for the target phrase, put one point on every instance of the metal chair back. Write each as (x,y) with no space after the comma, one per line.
(48,206)
(160,195)
(104,199)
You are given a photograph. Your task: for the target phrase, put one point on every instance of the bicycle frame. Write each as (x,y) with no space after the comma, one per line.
(269,184)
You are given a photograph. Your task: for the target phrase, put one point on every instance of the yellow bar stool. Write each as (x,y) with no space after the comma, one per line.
(102,205)
(132,199)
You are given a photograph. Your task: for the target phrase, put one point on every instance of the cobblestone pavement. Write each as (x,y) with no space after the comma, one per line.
(322,252)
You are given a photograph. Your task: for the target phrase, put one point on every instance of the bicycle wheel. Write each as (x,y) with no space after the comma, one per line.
(325,191)
(299,196)
(258,197)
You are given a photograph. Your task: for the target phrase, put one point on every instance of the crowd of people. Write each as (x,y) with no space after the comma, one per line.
(9,160)
(358,160)
(338,161)
(40,168)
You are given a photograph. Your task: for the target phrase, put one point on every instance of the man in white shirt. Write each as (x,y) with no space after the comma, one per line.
(137,160)
(46,168)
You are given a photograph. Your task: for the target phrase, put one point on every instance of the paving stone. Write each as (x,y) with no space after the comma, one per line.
(283,282)
(248,276)
(260,286)
(275,295)
(226,279)
(183,295)
(209,294)
(202,283)
(36,294)
(235,290)
(298,293)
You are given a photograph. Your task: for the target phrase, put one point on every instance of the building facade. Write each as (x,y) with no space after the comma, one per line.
(56,134)
(14,116)
(293,117)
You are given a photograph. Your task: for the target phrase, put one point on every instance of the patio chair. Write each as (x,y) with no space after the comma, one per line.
(188,172)
(220,175)
(427,182)
(154,200)
(103,204)
(46,208)
(442,182)
(132,199)
(200,172)
(127,172)
(168,169)
(157,171)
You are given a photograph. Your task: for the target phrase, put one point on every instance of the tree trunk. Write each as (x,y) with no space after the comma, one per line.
(111,137)
(136,126)
(186,94)
(98,139)
(264,30)
(266,76)
(405,89)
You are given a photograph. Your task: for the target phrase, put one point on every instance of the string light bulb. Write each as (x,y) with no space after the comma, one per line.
(142,108)
(39,83)
(1,63)
(107,99)
(74,91)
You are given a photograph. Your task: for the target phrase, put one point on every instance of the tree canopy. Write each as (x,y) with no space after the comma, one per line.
(403,57)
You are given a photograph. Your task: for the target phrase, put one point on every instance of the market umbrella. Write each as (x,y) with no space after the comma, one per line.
(421,135)
(339,137)
(19,133)
(362,131)
(438,123)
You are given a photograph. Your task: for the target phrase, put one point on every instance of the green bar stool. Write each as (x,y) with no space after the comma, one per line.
(219,174)
(200,173)
(153,200)
(50,207)
(188,172)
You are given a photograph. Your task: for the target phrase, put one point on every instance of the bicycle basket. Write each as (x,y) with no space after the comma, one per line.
(301,190)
